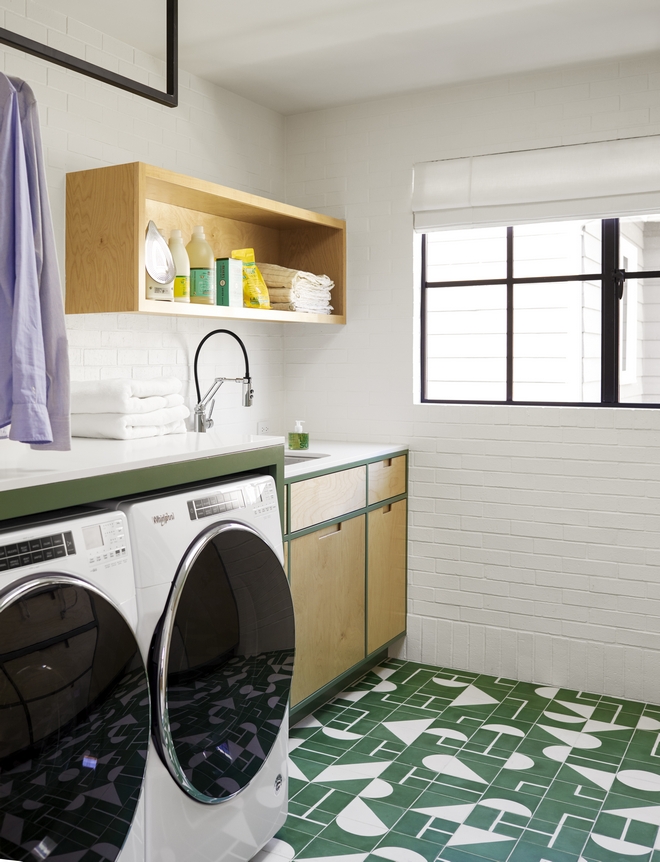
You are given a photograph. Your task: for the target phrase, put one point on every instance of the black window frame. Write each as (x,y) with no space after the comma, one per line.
(612,279)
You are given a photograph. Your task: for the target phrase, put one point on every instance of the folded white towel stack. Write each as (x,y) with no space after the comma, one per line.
(127,409)
(296,290)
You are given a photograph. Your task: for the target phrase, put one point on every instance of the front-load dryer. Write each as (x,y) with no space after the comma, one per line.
(74,699)
(215,622)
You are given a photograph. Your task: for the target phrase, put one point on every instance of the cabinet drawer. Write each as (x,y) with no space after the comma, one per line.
(387,478)
(326,497)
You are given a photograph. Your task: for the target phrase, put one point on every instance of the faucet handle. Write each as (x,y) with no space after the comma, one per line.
(209,421)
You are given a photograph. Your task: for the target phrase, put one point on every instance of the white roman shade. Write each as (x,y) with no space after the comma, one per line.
(609,178)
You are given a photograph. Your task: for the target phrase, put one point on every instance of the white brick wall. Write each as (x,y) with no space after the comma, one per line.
(534,532)
(212,134)
(533,544)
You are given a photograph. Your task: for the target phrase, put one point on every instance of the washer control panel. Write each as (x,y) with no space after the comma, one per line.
(215,504)
(39,550)
(260,497)
(265,498)
(105,543)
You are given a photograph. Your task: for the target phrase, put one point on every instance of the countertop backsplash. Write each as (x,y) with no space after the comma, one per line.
(109,346)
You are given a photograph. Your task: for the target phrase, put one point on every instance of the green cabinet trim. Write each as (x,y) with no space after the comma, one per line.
(350,675)
(76,492)
(359,462)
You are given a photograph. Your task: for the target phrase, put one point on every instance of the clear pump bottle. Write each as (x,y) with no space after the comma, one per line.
(202,268)
(298,439)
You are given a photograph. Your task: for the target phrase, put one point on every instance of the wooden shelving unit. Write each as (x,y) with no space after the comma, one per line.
(107,212)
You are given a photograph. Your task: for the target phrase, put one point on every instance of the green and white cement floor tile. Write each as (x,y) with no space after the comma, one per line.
(421,764)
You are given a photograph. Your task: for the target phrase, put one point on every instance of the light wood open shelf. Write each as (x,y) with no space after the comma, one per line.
(107,212)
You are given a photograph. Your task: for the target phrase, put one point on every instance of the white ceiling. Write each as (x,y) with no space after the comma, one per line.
(301,55)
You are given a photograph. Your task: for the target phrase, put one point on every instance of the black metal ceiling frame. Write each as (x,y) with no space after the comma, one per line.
(170,98)
(611,278)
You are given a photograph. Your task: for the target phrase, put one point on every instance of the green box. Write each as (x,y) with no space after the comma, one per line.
(229,282)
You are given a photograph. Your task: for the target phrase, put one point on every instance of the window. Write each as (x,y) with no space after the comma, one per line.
(557,313)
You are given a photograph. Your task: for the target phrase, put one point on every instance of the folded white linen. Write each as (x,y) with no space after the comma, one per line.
(283,276)
(284,294)
(300,298)
(295,306)
(125,396)
(123,426)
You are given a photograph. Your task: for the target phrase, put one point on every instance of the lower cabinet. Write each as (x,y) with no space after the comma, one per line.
(328,587)
(348,577)
(386,574)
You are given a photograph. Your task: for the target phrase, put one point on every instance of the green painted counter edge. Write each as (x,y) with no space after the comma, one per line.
(352,462)
(77,492)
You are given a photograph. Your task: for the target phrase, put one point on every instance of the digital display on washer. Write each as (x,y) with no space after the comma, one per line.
(30,551)
(230,659)
(93,537)
(74,724)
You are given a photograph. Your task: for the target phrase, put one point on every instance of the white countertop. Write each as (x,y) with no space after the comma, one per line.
(22,467)
(337,455)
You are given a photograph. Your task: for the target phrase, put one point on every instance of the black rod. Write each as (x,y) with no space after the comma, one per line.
(173,51)
(91,70)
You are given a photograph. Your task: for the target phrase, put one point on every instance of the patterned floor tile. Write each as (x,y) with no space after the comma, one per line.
(415,763)
(404,848)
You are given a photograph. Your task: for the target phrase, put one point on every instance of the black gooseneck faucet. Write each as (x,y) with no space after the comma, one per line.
(202,421)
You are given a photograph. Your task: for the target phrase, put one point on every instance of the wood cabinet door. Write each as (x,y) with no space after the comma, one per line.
(327,583)
(386,574)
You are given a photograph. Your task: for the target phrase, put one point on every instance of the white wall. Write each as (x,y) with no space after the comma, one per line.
(534,541)
(212,134)
(534,532)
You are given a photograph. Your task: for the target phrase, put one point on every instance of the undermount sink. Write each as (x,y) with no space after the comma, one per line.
(291,458)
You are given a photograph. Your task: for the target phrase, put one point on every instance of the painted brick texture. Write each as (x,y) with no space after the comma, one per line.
(212,134)
(533,544)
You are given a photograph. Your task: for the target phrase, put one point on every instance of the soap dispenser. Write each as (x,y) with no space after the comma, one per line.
(298,439)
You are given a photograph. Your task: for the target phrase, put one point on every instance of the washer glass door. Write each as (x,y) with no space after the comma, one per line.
(74,722)
(222,662)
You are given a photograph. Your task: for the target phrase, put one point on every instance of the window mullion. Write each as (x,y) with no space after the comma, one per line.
(610,313)
(423,333)
(509,314)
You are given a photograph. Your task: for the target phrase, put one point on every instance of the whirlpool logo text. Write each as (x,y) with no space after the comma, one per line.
(163,519)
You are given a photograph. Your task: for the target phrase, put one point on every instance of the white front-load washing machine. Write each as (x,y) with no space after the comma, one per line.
(215,624)
(74,698)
